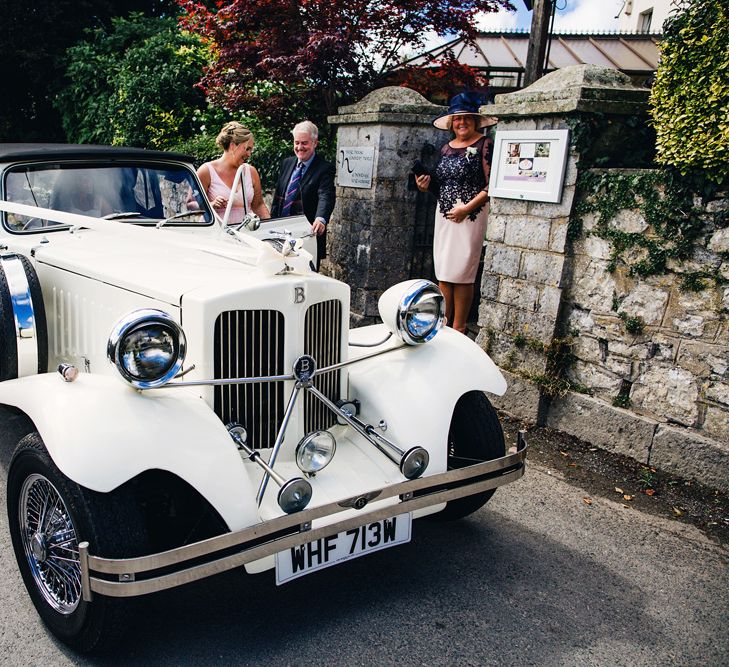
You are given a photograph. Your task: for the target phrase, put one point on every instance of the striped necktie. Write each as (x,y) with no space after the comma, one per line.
(293,188)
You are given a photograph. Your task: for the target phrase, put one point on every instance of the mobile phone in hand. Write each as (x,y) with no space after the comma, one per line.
(419,169)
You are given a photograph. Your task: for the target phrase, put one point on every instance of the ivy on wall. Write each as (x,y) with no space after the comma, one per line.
(672,203)
(558,358)
(669,204)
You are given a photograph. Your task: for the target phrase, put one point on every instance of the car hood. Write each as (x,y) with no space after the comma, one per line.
(161,264)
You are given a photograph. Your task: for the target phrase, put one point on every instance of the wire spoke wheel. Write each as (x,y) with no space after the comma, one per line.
(48,515)
(50,544)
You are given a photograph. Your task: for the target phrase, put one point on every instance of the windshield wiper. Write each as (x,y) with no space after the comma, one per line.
(177,216)
(123,214)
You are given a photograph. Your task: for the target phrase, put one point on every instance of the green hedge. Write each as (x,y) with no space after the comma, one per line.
(690,97)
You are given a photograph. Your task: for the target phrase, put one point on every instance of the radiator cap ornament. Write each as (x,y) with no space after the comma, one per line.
(304,368)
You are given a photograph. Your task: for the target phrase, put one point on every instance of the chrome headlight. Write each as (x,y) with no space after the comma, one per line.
(413,310)
(315,451)
(147,347)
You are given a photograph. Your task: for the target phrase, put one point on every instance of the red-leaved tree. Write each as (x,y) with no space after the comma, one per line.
(284,60)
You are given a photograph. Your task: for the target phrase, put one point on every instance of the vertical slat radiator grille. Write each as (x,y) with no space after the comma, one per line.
(322,340)
(250,343)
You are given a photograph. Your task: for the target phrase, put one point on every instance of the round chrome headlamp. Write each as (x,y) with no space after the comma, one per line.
(147,347)
(315,451)
(419,310)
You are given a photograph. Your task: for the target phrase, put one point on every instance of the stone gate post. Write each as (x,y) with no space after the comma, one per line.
(370,236)
(525,265)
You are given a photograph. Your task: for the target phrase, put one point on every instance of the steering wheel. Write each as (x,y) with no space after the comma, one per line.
(33,223)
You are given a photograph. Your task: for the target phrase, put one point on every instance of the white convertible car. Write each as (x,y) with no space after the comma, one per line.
(188,397)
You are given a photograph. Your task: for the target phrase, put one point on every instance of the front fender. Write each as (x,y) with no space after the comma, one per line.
(101,433)
(415,388)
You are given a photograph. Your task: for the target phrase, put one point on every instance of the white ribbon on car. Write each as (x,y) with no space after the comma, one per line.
(237,181)
(265,257)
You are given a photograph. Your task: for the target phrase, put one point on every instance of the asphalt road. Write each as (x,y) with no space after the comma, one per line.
(537,577)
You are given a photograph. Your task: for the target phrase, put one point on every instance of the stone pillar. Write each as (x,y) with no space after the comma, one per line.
(525,262)
(370,236)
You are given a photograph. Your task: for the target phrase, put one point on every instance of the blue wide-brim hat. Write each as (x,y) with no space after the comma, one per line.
(461,105)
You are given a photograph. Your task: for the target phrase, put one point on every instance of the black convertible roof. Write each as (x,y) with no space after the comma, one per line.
(80,151)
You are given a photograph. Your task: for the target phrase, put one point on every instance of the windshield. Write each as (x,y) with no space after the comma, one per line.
(124,192)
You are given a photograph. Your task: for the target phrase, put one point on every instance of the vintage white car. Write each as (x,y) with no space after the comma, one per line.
(188,397)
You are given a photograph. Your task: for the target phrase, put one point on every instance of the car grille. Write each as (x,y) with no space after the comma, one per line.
(250,343)
(322,340)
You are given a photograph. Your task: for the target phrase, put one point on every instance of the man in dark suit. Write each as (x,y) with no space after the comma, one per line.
(306,185)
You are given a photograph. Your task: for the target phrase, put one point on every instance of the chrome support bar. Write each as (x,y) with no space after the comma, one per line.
(362,357)
(83,557)
(227,381)
(277,445)
(276,378)
(412,463)
(376,344)
(387,447)
(354,423)
(294,494)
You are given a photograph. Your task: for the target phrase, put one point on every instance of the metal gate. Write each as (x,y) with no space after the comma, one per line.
(421,265)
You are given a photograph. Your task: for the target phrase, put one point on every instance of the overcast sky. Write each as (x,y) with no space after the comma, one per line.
(572,15)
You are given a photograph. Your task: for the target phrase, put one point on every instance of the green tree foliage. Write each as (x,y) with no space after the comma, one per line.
(133,85)
(34,37)
(690,97)
(285,60)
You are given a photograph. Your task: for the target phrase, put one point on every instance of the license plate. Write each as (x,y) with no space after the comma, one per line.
(332,550)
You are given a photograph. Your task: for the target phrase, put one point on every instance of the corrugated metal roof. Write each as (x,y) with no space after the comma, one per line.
(507,51)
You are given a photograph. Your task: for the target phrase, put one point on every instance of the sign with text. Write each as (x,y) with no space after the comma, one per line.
(354,167)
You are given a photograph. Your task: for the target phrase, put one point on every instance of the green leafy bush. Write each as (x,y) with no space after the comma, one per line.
(133,85)
(690,97)
(269,149)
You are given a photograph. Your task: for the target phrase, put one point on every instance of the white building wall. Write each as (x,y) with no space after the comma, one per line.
(632,15)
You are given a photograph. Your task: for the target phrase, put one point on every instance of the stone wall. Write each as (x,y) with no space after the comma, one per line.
(638,366)
(675,371)
(521,288)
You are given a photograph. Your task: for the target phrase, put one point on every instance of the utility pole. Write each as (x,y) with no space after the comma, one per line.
(542,10)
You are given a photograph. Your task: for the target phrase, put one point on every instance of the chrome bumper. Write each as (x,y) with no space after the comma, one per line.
(130,577)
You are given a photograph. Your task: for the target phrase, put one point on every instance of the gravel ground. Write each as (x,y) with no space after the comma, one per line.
(619,478)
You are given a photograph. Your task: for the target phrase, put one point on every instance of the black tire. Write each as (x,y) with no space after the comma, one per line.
(474,436)
(47,559)
(8,341)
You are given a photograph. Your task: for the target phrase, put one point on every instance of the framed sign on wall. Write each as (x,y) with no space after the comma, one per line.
(529,164)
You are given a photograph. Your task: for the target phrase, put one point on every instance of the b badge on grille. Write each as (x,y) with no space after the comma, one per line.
(304,368)
(299,294)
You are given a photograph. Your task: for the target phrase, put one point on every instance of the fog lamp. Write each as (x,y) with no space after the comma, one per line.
(315,451)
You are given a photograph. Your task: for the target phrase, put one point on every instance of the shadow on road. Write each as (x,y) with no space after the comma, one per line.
(523,604)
